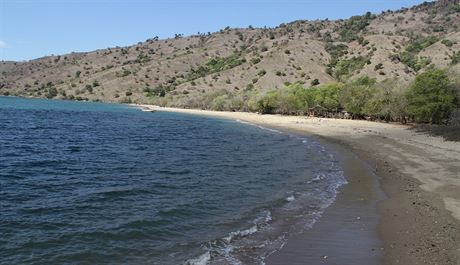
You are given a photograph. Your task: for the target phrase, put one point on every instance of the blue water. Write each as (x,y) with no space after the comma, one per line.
(93,183)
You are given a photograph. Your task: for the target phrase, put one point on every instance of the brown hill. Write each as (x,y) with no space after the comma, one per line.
(181,70)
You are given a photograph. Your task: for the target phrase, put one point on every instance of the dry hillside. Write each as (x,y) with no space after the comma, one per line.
(177,71)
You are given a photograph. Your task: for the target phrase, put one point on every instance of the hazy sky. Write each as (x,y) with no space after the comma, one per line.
(35,28)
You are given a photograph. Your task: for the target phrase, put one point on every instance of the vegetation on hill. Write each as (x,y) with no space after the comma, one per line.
(410,55)
(351,28)
(216,64)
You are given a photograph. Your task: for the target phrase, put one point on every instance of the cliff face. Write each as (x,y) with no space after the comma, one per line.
(393,44)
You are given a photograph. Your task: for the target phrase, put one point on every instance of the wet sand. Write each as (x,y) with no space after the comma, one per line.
(418,221)
(347,232)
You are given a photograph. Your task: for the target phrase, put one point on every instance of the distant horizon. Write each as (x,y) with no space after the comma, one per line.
(55,28)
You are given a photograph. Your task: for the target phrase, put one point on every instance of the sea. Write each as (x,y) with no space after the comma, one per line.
(98,183)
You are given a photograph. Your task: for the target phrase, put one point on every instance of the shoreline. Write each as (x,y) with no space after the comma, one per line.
(419,220)
(346,232)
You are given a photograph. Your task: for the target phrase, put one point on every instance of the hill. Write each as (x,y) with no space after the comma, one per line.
(191,71)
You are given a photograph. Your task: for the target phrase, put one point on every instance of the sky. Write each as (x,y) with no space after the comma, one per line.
(34,28)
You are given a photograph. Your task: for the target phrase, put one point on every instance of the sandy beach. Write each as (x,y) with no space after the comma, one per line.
(417,218)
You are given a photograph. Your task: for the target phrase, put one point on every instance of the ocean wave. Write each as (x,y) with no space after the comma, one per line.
(269,129)
(290,198)
(251,230)
(237,244)
(201,260)
(223,248)
(260,221)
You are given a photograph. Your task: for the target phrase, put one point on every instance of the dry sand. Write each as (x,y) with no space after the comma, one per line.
(419,221)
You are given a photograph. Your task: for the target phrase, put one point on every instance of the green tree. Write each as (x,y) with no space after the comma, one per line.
(220,103)
(264,103)
(327,96)
(289,100)
(52,92)
(388,103)
(455,58)
(356,94)
(431,97)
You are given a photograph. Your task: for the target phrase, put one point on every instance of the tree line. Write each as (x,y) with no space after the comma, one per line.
(432,97)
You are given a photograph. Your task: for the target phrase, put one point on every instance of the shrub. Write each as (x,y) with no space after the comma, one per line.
(356,94)
(219,103)
(125,72)
(346,67)
(255,60)
(52,92)
(378,67)
(327,96)
(409,56)
(89,88)
(315,82)
(455,58)
(431,97)
(456,8)
(216,64)
(448,43)
(261,72)
(388,102)
(418,44)
(351,28)
(336,51)
(411,60)
(142,58)
(265,103)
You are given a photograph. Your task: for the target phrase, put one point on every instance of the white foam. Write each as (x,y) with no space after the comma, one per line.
(201,260)
(316,178)
(271,130)
(223,250)
(244,122)
(251,230)
(267,217)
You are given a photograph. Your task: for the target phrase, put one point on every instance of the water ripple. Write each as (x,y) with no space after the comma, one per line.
(91,183)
